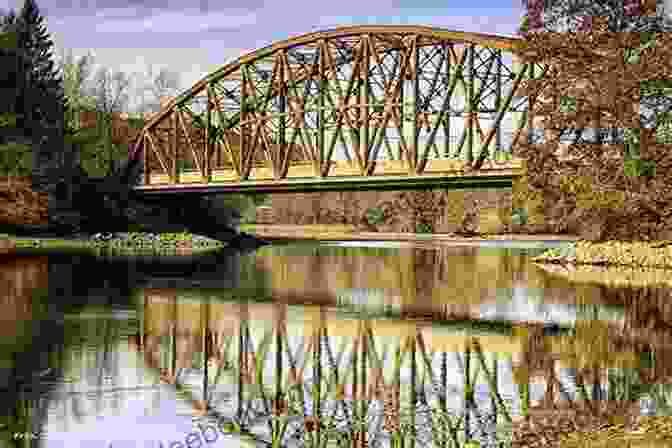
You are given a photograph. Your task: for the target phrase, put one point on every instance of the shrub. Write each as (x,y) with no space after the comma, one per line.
(375,216)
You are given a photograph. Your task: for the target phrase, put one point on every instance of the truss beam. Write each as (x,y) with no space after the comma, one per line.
(300,107)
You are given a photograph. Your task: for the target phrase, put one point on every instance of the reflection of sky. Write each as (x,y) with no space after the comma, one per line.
(151,418)
(143,418)
(523,307)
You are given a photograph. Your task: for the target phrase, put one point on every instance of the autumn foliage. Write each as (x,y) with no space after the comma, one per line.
(618,191)
(20,204)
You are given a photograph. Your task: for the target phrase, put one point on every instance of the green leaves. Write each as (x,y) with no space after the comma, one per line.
(375,216)
(637,167)
(567,104)
(8,120)
(16,159)
(519,216)
(8,40)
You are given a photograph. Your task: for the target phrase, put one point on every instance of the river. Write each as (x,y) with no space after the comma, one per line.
(147,351)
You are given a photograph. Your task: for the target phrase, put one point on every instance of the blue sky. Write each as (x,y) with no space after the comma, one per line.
(195,37)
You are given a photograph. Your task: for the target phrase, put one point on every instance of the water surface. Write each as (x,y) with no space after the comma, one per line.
(140,352)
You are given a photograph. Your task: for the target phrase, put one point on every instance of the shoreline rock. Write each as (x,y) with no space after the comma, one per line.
(649,254)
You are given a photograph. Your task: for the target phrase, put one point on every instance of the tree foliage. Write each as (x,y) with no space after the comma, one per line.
(40,96)
(602,80)
(165,83)
(109,93)
(76,75)
(30,88)
(577,15)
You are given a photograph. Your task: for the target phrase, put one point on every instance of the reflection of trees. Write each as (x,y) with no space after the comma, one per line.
(631,358)
(437,280)
(647,323)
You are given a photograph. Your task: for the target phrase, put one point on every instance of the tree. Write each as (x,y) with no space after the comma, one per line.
(110,95)
(524,24)
(622,15)
(8,79)
(166,83)
(596,79)
(36,104)
(41,96)
(15,153)
(76,75)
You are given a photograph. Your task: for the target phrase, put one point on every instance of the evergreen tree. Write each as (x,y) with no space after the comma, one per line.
(42,96)
(15,150)
(9,77)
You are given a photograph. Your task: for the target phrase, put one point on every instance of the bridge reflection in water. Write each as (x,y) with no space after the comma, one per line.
(275,356)
(280,368)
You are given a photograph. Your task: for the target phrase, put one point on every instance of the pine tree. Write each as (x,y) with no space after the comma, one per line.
(42,96)
(9,77)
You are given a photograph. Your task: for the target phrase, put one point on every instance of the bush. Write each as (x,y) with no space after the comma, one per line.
(375,216)
(424,227)
(519,216)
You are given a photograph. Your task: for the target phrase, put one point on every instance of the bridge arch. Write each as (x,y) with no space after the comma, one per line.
(383,95)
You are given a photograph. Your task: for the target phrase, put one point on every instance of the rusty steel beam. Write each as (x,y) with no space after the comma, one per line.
(326,87)
(387,33)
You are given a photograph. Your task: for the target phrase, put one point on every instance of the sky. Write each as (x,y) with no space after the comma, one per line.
(194,38)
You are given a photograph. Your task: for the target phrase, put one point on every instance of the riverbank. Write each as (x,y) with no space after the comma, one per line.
(121,243)
(640,254)
(346,233)
(637,254)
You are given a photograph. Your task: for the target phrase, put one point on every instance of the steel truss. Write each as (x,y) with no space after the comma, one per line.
(355,101)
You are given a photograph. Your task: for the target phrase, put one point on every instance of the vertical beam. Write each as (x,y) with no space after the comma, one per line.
(218,147)
(205,324)
(282,146)
(145,155)
(416,99)
(320,105)
(446,123)
(208,136)
(172,346)
(470,105)
(355,389)
(242,359)
(317,374)
(143,314)
(414,392)
(243,117)
(365,401)
(467,388)
(280,322)
(498,101)
(364,100)
(493,393)
(402,98)
(443,400)
(173,147)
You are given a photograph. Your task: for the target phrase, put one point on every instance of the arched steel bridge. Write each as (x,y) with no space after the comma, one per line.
(359,107)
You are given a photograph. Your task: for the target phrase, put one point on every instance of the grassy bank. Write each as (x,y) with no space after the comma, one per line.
(130,244)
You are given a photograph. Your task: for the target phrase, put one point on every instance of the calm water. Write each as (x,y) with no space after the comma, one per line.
(150,352)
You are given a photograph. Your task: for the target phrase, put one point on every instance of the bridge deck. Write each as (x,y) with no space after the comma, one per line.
(342,176)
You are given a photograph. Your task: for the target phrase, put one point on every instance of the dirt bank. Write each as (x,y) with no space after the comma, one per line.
(340,233)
